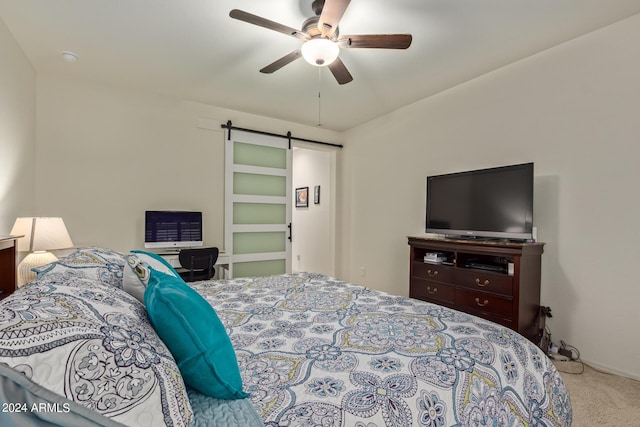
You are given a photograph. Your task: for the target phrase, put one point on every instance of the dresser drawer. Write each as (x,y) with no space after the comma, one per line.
(437,272)
(428,290)
(484,302)
(488,282)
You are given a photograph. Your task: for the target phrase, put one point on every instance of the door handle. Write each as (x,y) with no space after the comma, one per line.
(290,227)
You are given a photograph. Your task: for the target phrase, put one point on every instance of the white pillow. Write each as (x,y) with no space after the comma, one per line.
(135,277)
(93,345)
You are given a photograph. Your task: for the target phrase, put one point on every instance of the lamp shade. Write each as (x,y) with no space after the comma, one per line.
(41,234)
(320,52)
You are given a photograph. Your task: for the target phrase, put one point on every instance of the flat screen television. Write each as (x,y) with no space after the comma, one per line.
(494,203)
(172,229)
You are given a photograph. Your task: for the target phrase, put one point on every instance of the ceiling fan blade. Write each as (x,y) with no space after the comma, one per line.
(266,23)
(276,65)
(332,12)
(340,72)
(376,41)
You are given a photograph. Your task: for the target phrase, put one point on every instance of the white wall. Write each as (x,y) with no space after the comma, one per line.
(573,110)
(313,235)
(107,154)
(17,132)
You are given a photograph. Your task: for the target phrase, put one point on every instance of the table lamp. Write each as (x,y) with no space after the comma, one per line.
(41,234)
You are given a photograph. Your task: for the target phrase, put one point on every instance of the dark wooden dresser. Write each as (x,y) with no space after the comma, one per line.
(8,263)
(498,281)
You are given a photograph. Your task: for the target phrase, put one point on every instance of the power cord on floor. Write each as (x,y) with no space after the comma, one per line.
(564,371)
(565,354)
(560,360)
(571,349)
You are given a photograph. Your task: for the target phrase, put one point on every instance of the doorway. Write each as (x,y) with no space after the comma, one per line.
(313,234)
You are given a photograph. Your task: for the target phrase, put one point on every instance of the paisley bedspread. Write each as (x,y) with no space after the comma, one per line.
(317,351)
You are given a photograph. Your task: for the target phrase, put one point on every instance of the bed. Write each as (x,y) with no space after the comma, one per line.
(311,350)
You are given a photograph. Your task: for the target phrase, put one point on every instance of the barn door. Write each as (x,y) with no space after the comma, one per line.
(257,204)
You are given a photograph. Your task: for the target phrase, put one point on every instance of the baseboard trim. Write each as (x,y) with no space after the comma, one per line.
(610,370)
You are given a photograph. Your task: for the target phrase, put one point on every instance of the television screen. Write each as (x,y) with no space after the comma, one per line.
(485,203)
(172,229)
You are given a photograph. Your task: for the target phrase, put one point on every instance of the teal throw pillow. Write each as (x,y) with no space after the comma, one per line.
(194,334)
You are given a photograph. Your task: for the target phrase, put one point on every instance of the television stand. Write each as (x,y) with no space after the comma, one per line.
(495,280)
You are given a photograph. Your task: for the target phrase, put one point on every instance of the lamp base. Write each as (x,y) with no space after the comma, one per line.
(34,259)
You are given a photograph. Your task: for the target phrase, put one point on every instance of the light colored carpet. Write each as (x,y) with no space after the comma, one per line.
(599,399)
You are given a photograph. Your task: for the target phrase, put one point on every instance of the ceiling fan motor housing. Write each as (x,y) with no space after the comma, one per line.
(310,26)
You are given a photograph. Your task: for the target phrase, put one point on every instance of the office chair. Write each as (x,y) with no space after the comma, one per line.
(198,262)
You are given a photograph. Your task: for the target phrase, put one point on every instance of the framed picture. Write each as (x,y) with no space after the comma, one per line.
(316,195)
(302,197)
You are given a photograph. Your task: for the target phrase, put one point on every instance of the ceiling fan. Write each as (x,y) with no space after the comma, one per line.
(322,41)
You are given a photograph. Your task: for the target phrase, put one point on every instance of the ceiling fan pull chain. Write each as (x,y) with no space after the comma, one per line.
(319,99)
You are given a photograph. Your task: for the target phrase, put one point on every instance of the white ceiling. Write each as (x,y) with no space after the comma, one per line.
(193,50)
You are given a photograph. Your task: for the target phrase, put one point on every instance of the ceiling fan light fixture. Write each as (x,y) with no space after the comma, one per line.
(320,51)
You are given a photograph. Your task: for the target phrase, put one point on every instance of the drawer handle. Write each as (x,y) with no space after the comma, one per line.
(482,304)
(432,273)
(432,291)
(482,284)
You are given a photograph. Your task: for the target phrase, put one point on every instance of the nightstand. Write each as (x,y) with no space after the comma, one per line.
(8,263)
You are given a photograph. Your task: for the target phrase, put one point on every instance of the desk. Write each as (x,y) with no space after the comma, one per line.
(222,261)
(8,263)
